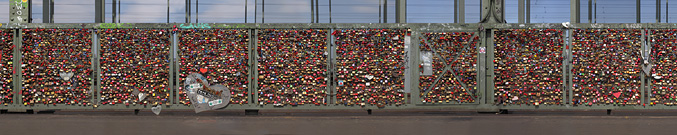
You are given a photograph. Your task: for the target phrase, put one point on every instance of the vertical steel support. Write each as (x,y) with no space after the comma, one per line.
(317,11)
(51,11)
(187,9)
(564,65)
(254,70)
(256,10)
(648,81)
(455,11)
(589,11)
(177,68)
(380,12)
(30,11)
(528,12)
(643,76)
(658,11)
(114,8)
(415,60)
(520,11)
(197,11)
(638,13)
(168,11)
(408,58)
(263,11)
(331,70)
(385,11)
(312,11)
(401,11)
(575,11)
(485,85)
(245,10)
(570,66)
(96,76)
(667,11)
(461,11)
(190,10)
(119,9)
(100,11)
(16,63)
(173,75)
(329,11)
(46,8)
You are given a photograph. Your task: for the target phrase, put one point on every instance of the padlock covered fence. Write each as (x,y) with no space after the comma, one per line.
(341,66)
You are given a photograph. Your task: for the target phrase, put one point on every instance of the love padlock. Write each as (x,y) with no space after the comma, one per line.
(292,67)
(372,60)
(608,61)
(218,54)
(662,59)
(6,47)
(529,62)
(454,49)
(134,61)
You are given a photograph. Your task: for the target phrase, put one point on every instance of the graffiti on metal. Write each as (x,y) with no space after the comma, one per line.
(195,26)
(633,25)
(115,25)
(596,25)
(232,26)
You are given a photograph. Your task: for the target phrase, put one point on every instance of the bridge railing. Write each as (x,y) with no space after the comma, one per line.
(340,66)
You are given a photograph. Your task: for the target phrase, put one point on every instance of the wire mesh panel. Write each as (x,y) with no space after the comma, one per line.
(606,66)
(220,55)
(292,66)
(57,66)
(448,73)
(6,49)
(134,61)
(664,69)
(370,66)
(528,66)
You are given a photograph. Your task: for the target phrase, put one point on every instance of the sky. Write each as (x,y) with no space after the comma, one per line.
(343,11)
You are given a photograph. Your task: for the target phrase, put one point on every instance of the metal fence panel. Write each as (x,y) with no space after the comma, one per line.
(221,55)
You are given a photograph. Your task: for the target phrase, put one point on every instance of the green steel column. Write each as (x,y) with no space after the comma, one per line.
(658,11)
(401,11)
(414,59)
(483,66)
(520,11)
(589,11)
(46,8)
(643,76)
(99,11)
(96,87)
(528,12)
(638,14)
(176,64)
(254,73)
(461,11)
(385,11)
(489,65)
(407,67)
(331,68)
(648,87)
(173,77)
(16,63)
(575,11)
(564,65)
(570,67)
